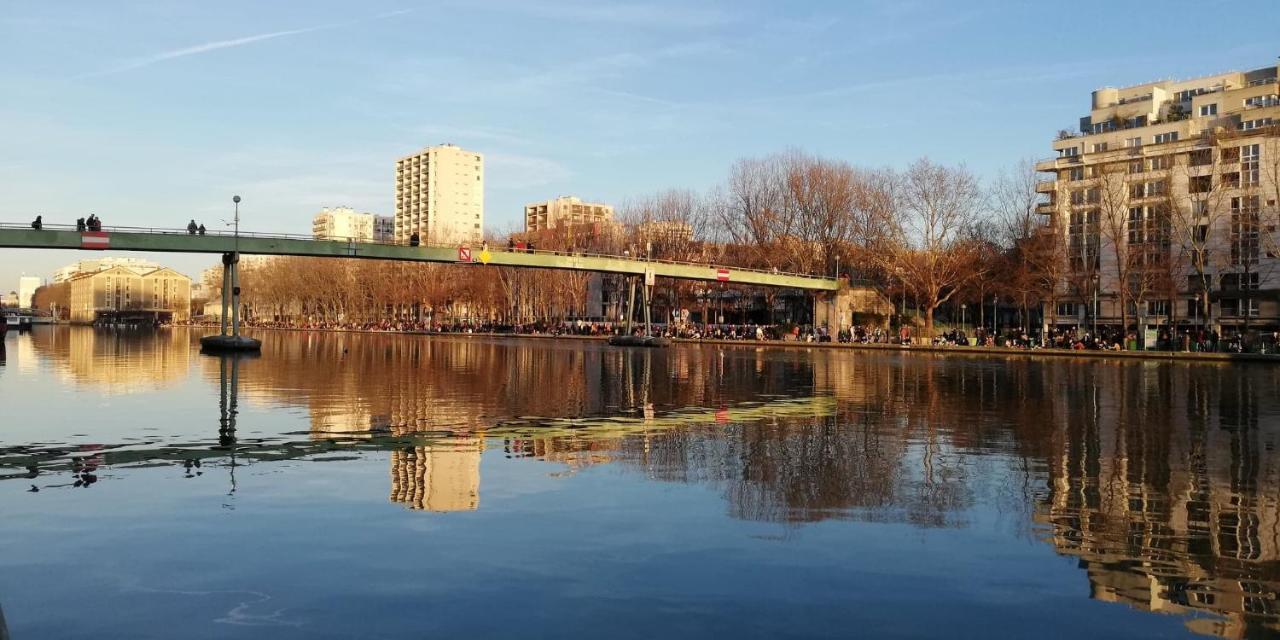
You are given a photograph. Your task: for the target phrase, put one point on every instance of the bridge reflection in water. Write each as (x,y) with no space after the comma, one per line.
(1163,480)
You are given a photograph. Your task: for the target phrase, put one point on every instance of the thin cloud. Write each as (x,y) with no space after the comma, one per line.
(219,45)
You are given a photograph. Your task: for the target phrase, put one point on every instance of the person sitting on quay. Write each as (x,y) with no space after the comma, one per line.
(38,223)
(191,227)
(200,229)
(80,225)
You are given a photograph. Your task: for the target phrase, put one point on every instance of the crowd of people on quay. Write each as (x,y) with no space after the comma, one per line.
(1078,339)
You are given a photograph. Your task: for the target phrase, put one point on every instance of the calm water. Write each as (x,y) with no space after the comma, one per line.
(393,487)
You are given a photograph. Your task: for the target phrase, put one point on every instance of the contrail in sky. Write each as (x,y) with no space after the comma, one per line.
(138,63)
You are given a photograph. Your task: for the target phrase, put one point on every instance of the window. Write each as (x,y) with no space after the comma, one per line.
(1239,307)
(1199,184)
(1245,230)
(1157,307)
(1076,173)
(1250,125)
(1200,233)
(1240,281)
(1161,138)
(1230,155)
(1194,309)
(1155,188)
(1067,309)
(1136,166)
(1133,142)
(1099,147)
(1201,157)
(1250,154)
(1262,101)
(1135,225)
(1137,190)
(1071,152)
(1209,109)
(1159,163)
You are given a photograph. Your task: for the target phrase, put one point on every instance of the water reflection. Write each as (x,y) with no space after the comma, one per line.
(1162,480)
(118,360)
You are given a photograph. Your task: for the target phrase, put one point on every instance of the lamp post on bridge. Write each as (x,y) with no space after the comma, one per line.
(235,272)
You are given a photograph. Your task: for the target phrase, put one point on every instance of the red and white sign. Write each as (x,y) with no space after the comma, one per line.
(94,240)
(722,275)
(464,254)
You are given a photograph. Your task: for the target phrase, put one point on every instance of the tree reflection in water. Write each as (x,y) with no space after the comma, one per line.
(1162,479)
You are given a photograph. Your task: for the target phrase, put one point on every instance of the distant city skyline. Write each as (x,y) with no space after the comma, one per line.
(151,115)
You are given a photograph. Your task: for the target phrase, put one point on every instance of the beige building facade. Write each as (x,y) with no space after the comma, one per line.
(137,265)
(346,224)
(565,211)
(1164,206)
(163,294)
(440,196)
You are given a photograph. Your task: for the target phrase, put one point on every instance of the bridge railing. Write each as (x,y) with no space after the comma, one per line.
(348,242)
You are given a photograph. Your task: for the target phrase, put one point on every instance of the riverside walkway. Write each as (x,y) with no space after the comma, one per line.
(180,241)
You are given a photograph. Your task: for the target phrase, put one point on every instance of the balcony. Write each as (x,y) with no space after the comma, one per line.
(1046,186)
(1046,208)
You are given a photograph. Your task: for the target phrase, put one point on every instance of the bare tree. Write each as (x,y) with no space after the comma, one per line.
(927,245)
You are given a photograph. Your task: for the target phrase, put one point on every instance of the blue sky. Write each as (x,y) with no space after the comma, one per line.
(150,113)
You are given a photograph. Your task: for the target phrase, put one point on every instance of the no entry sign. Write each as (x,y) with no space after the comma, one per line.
(464,254)
(722,275)
(94,240)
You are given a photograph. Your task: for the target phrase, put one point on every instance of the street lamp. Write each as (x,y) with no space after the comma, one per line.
(1096,283)
(962,308)
(235,273)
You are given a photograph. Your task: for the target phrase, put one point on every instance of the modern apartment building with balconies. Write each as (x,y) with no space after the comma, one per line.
(1164,206)
(440,196)
(565,211)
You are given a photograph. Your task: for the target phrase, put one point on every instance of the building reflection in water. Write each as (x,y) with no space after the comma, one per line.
(117,360)
(1162,479)
(439,477)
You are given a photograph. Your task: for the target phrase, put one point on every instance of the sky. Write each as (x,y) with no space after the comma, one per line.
(151,113)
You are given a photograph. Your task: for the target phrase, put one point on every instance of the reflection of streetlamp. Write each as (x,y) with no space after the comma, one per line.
(962,308)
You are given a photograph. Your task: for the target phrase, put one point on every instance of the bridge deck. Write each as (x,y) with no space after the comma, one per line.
(256,244)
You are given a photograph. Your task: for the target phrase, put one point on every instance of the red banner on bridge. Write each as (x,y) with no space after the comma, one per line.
(95,240)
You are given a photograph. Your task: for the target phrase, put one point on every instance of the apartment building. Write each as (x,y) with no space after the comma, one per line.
(27,286)
(440,196)
(1164,206)
(565,211)
(344,223)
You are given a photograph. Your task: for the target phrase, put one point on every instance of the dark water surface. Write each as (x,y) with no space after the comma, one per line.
(370,486)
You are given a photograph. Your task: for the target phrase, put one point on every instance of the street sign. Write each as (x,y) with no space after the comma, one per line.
(649,277)
(485,256)
(722,275)
(95,240)
(464,254)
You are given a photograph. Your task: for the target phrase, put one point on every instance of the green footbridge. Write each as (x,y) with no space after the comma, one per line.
(178,241)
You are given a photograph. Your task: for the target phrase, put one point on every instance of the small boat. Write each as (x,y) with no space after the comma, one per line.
(639,341)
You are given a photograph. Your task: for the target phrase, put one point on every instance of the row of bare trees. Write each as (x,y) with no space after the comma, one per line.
(930,232)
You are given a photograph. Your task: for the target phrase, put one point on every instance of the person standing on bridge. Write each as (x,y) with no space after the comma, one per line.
(80,224)
(201,228)
(38,223)
(191,227)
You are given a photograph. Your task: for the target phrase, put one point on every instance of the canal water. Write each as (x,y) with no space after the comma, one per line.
(379,486)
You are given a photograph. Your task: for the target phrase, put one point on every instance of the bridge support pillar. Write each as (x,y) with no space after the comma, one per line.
(232,341)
